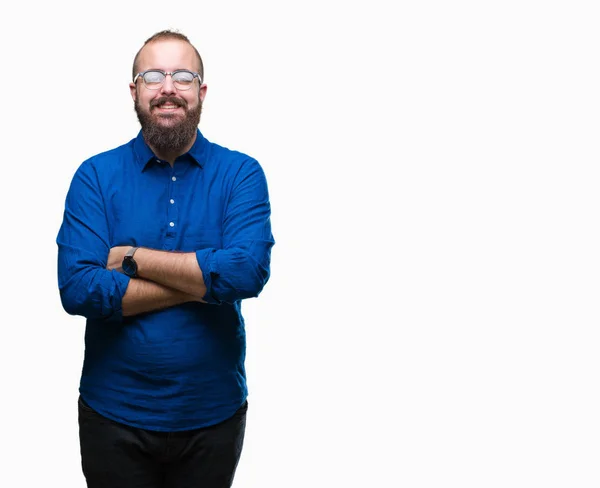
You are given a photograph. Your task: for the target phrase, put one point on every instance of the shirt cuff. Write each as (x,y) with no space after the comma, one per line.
(121,284)
(208,265)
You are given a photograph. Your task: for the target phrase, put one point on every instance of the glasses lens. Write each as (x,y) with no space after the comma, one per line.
(183,79)
(153,79)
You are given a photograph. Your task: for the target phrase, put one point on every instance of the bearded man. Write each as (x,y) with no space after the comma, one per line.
(161,240)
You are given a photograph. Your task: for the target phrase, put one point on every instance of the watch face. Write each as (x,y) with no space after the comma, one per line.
(129,267)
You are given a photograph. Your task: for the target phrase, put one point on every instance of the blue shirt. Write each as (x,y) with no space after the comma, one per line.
(182,367)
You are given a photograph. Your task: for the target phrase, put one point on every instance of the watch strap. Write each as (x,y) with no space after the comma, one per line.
(131,252)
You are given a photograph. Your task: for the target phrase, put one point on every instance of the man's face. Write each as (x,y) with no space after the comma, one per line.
(169,117)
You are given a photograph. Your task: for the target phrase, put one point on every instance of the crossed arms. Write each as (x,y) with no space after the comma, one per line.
(91,285)
(165,279)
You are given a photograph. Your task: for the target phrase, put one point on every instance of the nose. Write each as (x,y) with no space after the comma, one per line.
(168,87)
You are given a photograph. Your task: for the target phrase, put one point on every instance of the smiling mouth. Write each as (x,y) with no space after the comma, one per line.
(167,103)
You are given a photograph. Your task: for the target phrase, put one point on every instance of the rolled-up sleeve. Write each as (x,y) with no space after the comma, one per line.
(86,287)
(241,268)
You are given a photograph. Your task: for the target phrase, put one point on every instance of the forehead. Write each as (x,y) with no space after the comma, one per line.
(168,55)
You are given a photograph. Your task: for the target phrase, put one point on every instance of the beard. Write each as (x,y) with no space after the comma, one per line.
(176,134)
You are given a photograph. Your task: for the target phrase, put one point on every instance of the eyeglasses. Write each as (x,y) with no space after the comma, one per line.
(154,78)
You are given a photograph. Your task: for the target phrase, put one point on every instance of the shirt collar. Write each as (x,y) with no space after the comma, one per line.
(144,155)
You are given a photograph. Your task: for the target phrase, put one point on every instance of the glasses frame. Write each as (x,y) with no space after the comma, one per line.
(165,73)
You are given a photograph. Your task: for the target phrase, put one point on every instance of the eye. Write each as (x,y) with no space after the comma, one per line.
(183,77)
(153,77)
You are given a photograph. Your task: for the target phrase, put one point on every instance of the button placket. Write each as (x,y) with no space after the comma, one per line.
(172,209)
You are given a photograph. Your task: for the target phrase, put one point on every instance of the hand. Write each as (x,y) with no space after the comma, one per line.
(115,257)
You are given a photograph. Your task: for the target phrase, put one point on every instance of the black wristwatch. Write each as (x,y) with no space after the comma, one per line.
(129,265)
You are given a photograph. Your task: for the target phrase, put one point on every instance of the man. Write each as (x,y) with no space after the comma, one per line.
(161,240)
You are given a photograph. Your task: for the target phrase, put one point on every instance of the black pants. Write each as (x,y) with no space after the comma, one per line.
(114,455)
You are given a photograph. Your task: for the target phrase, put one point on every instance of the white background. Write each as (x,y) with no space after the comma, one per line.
(432,316)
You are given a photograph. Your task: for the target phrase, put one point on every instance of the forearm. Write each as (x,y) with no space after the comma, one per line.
(175,270)
(146,296)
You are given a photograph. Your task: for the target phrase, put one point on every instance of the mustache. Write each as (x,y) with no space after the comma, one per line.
(178,102)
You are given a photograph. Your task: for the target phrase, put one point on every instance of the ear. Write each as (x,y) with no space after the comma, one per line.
(202,92)
(133,91)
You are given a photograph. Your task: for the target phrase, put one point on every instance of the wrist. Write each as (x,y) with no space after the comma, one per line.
(130,265)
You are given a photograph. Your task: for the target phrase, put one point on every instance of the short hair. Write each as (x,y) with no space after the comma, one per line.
(163,35)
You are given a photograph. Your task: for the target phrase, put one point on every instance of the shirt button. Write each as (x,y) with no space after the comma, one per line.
(174,178)
(172,224)
(172,201)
